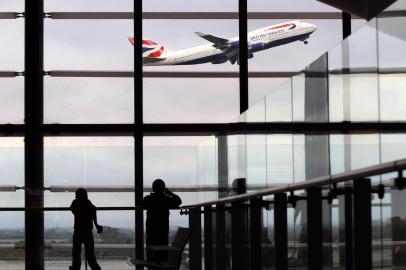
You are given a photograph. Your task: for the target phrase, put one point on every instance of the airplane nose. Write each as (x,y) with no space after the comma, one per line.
(313,27)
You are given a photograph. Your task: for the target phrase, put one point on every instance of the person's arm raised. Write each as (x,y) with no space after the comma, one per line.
(175,200)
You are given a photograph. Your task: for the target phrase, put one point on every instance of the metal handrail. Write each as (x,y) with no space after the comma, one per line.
(388,167)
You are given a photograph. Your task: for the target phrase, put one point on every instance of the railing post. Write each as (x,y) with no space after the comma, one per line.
(349,248)
(220,237)
(195,246)
(238,236)
(256,233)
(281,231)
(314,229)
(208,237)
(362,224)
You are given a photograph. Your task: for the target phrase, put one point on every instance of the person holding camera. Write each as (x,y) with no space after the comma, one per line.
(85,215)
(157,205)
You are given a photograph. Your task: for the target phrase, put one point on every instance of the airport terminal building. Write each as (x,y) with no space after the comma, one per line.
(287,150)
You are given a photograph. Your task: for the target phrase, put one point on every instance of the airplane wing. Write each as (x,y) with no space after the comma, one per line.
(223,44)
(213,39)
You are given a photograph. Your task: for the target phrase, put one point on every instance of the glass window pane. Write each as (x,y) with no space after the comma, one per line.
(353,81)
(288,6)
(11,5)
(114,247)
(12,44)
(279,159)
(12,232)
(88,5)
(256,161)
(105,163)
(173,159)
(73,100)
(88,45)
(11,172)
(259,88)
(12,100)
(187,5)
(393,97)
(190,100)
(353,97)
(279,104)
(392,64)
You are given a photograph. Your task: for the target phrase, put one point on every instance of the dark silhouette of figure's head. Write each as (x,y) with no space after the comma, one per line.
(239,186)
(158,186)
(81,194)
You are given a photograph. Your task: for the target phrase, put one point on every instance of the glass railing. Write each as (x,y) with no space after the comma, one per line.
(308,128)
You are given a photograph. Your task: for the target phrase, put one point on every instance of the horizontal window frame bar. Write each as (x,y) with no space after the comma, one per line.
(167,74)
(208,129)
(204,74)
(11,15)
(193,15)
(392,14)
(129,189)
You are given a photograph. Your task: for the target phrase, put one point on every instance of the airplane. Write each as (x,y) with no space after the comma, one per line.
(222,50)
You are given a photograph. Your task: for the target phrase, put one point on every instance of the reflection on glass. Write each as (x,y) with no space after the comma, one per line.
(279,159)
(353,97)
(237,156)
(279,104)
(256,161)
(392,97)
(261,87)
(298,100)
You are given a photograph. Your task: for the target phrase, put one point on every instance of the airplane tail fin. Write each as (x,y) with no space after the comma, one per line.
(150,49)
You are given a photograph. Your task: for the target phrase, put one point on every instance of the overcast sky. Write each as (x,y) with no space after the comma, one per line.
(103,45)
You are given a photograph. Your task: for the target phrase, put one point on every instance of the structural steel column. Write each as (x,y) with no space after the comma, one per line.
(281,231)
(34,155)
(208,237)
(138,131)
(362,224)
(195,246)
(243,37)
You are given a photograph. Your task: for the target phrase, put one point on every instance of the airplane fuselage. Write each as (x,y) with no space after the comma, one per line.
(258,40)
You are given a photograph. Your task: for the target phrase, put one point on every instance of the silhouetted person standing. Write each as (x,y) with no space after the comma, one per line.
(158,204)
(85,215)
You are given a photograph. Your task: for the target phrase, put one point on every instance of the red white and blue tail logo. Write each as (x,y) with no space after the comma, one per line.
(150,49)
